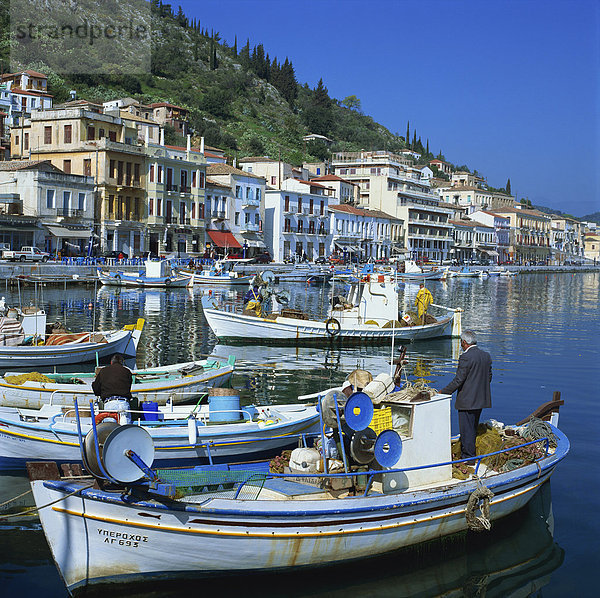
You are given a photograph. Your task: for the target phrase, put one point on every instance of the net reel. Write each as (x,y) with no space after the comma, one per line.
(366,446)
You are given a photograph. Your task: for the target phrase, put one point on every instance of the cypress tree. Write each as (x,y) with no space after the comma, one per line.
(407,133)
(508,187)
(414,141)
(235,47)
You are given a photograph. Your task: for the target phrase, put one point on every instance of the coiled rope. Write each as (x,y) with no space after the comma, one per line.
(536,429)
(479,523)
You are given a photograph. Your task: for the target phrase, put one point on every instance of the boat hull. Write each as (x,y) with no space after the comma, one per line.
(33,395)
(96,537)
(229,326)
(122,279)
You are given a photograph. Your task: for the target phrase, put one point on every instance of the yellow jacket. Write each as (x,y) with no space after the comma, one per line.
(423,300)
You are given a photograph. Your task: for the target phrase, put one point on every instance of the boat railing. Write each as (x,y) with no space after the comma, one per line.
(445,308)
(370,474)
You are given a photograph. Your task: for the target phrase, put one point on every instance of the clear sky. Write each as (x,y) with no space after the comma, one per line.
(510,88)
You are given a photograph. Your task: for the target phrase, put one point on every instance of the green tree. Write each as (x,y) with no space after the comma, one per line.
(352,103)
(408,133)
(318,114)
(508,187)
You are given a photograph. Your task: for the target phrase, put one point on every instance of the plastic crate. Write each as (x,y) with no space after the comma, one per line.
(382,420)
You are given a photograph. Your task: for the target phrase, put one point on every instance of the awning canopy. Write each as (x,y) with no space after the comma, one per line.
(223,238)
(489,252)
(344,247)
(67,233)
(250,240)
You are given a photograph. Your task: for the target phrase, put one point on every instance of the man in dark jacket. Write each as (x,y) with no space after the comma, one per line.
(113,381)
(472,381)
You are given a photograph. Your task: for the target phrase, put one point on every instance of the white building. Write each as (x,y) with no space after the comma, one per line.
(44,206)
(501,226)
(345,191)
(243,214)
(364,234)
(472,241)
(296,220)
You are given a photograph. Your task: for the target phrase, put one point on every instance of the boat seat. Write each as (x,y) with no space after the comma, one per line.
(290,488)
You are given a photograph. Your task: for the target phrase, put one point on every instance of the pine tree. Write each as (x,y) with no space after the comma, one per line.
(318,114)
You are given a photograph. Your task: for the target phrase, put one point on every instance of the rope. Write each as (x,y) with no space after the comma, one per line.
(536,429)
(479,523)
(34,509)
(13,499)
(412,389)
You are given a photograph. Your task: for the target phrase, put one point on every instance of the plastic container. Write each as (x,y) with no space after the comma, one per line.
(151,413)
(120,406)
(382,420)
(223,408)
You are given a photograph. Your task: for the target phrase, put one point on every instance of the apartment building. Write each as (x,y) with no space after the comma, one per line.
(473,241)
(168,114)
(26,91)
(501,225)
(175,184)
(566,239)
(474,198)
(345,191)
(441,166)
(273,171)
(529,234)
(81,141)
(218,205)
(243,212)
(391,184)
(364,234)
(591,246)
(43,206)
(296,220)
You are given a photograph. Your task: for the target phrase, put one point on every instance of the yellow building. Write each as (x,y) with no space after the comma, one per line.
(81,141)
(591,245)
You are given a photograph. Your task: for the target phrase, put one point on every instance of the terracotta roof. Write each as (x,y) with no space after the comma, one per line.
(333,177)
(27,92)
(510,210)
(211,155)
(214,183)
(30,73)
(465,223)
(215,169)
(12,165)
(167,105)
(182,149)
(318,185)
(348,209)
(252,159)
(129,116)
(467,188)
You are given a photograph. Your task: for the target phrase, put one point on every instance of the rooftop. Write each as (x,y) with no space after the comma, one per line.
(215,169)
(349,209)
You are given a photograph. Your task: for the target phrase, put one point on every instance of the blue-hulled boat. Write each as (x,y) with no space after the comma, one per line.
(244,518)
(157,275)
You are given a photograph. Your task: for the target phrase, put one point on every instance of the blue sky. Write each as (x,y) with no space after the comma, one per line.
(510,88)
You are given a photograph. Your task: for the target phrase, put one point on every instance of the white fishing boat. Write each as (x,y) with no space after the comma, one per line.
(157,275)
(221,273)
(368,313)
(156,524)
(182,435)
(412,272)
(176,383)
(305,273)
(467,272)
(25,343)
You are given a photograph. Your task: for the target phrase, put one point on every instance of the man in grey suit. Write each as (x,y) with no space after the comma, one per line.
(472,381)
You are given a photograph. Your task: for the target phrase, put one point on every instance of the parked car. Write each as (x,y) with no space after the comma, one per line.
(27,254)
(262,258)
(337,259)
(321,260)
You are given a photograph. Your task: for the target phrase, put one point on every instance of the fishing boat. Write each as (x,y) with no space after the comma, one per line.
(221,273)
(369,312)
(412,272)
(305,273)
(25,342)
(176,383)
(220,431)
(395,488)
(467,272)
(157,275)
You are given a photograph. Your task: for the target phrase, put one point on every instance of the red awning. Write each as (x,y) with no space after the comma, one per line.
(222,238)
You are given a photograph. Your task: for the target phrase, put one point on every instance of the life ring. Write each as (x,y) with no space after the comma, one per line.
(333,327)
(168,282)
(118,277)
(481,522)
(102,416)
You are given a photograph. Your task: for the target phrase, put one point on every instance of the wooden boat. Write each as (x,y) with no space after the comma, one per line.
(182,435)
(305,273)
(158,275)
(466,272)
(211,521)
(412,272)
(221,273)
(369,313)
(177,383)
(57,349)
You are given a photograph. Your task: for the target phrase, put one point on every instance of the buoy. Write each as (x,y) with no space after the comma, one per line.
(192,431)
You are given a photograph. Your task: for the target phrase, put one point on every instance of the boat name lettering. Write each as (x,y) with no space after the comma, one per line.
(122,538)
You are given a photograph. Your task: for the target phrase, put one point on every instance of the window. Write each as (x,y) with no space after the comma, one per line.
(193,209)
(256,218)
(299,205)
(238,191)
(127,208)
(91,133)
(50,198)
(101,134)
(286,203)
(67,166)
(111,207)
(136,173)
(273,180)
(300,226)
(318,171)
(128,173)
(152,173)
(247,218)
(150,206)
(68,133)
(87,167)
(343,171)
(26,141)
(183,180)
(248,193)
(201,211)
(310,206)
(160,174)
(119,172)
(66,200)
(112,135)
(237,219)
(201,180)
(287,226)
(136,208)
(47,135)
(258,194)
(159,207)
(111,169)
(194,179)
(81,202)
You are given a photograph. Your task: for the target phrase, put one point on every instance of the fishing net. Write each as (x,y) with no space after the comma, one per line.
(216,483)
(27,377)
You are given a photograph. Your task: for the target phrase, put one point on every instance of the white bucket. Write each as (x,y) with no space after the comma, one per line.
(380,386)
(120,406)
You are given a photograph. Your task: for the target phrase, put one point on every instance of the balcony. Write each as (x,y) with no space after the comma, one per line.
(183,189)
(288,210)
(171,187)
(289,231)
(250,203)
(249,227)
(218,214)
(62,213)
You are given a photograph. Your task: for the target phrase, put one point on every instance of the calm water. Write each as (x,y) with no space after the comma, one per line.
(543,334)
